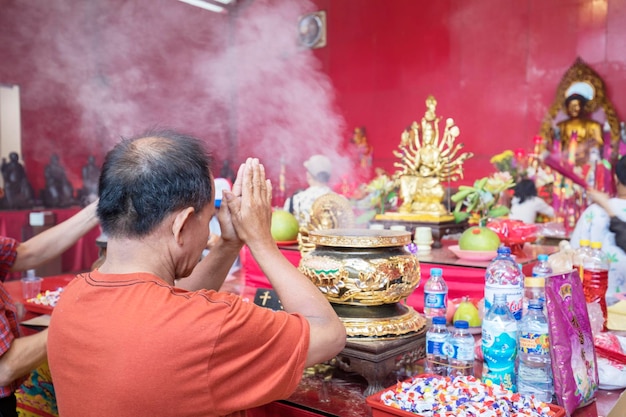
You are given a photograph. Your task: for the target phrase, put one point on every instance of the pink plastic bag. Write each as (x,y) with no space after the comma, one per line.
(573,356)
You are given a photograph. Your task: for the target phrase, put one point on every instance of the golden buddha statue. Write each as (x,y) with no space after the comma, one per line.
(578,134)
(426,161)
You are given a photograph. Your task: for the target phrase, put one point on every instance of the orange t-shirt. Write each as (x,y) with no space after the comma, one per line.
(132,345)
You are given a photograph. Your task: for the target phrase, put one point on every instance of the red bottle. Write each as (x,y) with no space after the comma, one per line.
(596,278)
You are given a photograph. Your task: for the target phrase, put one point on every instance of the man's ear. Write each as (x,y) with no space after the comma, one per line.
(181,220)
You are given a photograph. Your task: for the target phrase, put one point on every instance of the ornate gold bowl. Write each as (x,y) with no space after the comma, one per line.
(365,274)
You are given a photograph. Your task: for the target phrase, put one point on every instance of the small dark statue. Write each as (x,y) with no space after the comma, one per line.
(59,192)
(91,176)
(18,193)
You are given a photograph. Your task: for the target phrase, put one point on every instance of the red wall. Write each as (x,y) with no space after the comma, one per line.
(492,65)
(92,71)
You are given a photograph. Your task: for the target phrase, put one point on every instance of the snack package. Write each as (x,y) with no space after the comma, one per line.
(573,356)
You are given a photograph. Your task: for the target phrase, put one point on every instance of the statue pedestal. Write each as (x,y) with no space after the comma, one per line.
(439,228)
(375,360)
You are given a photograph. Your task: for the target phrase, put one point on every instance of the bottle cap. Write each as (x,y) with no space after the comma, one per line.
(596,245)
(543,257)
(439,320)
(438,272)
(534,282)
(461,324)
(504,249)
(583,242)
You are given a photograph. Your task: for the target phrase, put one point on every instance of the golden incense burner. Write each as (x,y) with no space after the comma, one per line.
(365,274)
(427,161)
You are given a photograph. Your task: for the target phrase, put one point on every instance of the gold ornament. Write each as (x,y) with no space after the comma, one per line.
(427,161)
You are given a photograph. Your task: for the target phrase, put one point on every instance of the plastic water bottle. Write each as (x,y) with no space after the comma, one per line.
(435,295)
(499,344)
(534,289)
(596,278)
(534,374)
(542,268)
(461,352)
(503,276)
(580,253)
(437,346)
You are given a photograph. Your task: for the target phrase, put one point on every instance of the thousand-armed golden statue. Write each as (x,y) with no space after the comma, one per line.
(426,161)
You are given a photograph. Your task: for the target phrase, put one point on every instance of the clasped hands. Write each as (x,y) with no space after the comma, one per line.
(247,213)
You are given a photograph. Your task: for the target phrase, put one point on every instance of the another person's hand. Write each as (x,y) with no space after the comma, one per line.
(601,199)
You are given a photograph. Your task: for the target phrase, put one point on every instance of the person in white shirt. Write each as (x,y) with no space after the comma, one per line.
(318,174)
(526,205)
(600,222)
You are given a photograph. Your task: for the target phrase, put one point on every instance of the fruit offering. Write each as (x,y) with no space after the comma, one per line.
(468,312)
(479,239)
(284,226)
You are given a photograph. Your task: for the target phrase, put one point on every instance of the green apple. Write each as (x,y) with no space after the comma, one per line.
(467,311)
(285,226)
(480,239)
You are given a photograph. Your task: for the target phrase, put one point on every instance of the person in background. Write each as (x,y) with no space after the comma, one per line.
(596,224)
(616,225)
(21,355)
(526,205)
(318,174)
(139,346)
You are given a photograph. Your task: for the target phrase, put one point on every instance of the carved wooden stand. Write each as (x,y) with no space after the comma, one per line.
(375,360)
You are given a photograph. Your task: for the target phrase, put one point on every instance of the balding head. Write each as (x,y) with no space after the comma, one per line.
(147,177)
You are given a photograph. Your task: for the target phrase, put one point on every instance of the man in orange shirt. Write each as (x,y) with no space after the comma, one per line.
(124,341)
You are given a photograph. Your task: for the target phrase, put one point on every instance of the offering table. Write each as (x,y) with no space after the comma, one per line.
(341,395)
(439,230)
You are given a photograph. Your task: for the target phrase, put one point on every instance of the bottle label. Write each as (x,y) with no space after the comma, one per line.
(504,377)
(436,347)
(513,294)
(434,299)
(462,351)
(534,343)
(499,344)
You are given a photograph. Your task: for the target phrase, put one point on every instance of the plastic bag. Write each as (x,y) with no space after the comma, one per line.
(561,261)
(611,364)
(596,318)
(573,356)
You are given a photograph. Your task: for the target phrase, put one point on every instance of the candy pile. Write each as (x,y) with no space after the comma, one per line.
(435,396)
(47,298)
